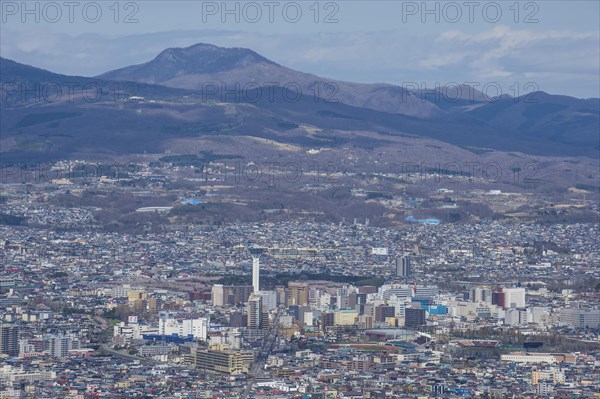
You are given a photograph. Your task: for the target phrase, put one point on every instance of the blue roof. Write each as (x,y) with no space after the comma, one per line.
(427,221)
(192,202)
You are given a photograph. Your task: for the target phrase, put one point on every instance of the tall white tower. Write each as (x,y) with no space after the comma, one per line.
(256,253)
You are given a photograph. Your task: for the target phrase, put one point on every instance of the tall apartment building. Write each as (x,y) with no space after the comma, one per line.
(60,345)
(482,294)
(269,300)
(258,318)
(404,266)
(230,294)
(298,293)
(218,295)
(9,339)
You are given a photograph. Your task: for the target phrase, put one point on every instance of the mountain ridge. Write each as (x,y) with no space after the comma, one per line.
(538,123)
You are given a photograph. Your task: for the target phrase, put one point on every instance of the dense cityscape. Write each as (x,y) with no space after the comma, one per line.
(299,199)
(290,308)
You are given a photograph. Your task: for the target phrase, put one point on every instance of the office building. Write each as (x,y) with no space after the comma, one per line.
(577,316)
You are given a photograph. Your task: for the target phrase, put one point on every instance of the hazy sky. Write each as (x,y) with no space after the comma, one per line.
(553,46)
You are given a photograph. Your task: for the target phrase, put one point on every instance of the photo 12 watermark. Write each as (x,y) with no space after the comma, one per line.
(14,93)
(69,91)
(238,172)
(471,92)
(271,173)
(489,172)
(455,12)
(271,91)
(53,12)
(253,12)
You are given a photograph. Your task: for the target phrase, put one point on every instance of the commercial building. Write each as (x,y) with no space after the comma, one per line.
(525,357)
(345,317)
(224,361)
(577,316)
(168,324)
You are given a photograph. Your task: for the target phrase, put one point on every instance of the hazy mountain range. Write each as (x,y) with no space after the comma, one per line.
(205,91)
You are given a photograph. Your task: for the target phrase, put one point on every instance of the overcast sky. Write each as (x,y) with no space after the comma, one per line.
(553,46)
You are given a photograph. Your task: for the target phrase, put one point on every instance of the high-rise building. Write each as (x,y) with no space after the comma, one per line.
(414,317)
(238,293)
(328,319)
(384,311)
(517,316)
(345,317)
(281,296)
(403,266)
(238,319)
(514,297)
(269,300)
(218,295)
(230,294)
(257,317)
(498,297)
(9,339)
(400,291)
(59,345)
(297,312)
(347,297)
(482,294)
(298,293)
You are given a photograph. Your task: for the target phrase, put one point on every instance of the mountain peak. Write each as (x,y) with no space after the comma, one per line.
(200,58)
